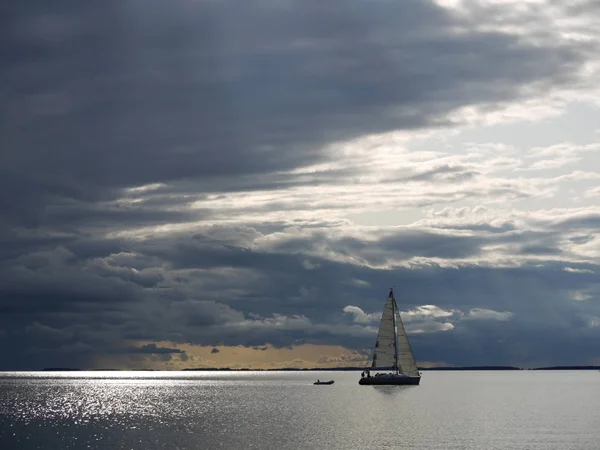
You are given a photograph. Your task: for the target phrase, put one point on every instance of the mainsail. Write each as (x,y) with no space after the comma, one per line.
(392,349)
(385,346)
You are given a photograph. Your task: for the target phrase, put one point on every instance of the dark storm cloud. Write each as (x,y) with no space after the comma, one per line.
(55,280)
(194,288)
(97,97)
(233,303)
(155,350)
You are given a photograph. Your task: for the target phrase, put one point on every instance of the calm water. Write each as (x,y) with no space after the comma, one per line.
(283,410)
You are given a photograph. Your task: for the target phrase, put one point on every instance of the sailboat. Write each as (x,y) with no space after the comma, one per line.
(392,350)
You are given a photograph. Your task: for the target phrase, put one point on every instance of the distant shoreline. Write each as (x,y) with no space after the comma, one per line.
(316,369)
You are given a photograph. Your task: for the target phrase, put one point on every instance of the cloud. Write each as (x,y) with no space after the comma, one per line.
(44,332)
(203,74)
(359,316)
(431,327)
(579,296)
(425,311)
(572,270)
(487,314)
(155,350)
(238,306)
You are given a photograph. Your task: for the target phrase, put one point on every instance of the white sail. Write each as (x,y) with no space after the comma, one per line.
(385,348)
(406,360)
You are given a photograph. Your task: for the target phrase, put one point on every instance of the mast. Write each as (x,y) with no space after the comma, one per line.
(395,310)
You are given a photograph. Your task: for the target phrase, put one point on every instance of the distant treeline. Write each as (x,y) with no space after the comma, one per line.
(568,368)
(473,368)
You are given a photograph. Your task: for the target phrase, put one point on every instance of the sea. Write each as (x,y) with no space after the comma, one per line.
(283,410)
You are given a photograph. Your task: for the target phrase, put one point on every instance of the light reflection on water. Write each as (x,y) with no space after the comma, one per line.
(177,410)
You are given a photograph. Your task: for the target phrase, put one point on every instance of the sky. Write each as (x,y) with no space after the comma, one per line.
(223,183)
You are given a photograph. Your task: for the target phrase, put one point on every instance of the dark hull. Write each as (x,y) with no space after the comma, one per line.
(319,383)
(390,380)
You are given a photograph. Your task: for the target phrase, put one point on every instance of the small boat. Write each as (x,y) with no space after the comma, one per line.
(392,349)
(323,382)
